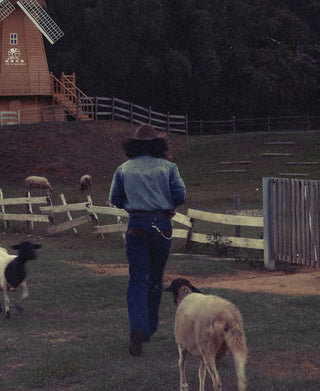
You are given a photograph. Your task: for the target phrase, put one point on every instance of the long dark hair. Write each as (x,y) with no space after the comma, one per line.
(156,147)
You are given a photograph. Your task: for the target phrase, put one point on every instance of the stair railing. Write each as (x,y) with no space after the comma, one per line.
(67,88)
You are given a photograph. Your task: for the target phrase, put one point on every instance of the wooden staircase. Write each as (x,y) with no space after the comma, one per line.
(76,102)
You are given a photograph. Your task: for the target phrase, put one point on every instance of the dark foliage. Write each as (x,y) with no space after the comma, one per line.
(212,59)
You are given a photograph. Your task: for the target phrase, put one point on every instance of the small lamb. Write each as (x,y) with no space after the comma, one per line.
(206,326)
(85,183)
(13,271)
(38,182)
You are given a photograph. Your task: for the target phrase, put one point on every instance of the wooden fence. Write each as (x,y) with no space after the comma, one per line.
(91,213)
(269,124)
(9,118)
(99,108)
(104,108)
(27,217)
(290,221)
(292,217)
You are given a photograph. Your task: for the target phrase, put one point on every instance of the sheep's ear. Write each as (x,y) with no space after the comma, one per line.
(195,290)
(168,289)
(36,246)
(16,247)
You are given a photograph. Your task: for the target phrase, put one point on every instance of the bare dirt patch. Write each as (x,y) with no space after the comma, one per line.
(305,282)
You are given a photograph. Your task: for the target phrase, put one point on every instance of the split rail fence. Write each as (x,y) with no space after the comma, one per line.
(100,108)
(114,109)
(290,221)
(47,215)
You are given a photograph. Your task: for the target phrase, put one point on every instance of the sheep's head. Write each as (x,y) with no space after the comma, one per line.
(180,287)
(26,250)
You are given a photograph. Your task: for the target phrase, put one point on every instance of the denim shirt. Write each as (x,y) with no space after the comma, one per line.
(146,183)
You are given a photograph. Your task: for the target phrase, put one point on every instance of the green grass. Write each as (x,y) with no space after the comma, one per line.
(73,333)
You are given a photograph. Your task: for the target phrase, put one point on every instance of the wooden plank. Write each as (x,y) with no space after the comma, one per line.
(69,224)
(109,228)
(180,233)
(63,199)
(182,219)
(274,154)
(302,163)
(82,206)
(292,174)
(267,208)
(23,201)
(226,219)
(24,217)
(257,244)
(230,171)
(94,214)
(246,212)
(29,211)
(237,162)
(5,223)
(279,143)
(107,211)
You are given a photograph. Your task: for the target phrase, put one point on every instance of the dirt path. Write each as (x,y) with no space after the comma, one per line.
(305,282)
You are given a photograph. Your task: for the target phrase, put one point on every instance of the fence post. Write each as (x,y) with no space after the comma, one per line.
(78,106)
(150,115)
(64,202)
(5,222)
(54,114)
(29,211)
(234,124)
(187,125)
(269,262)
(131,113)
(96,108)
(112,109)
(237,207)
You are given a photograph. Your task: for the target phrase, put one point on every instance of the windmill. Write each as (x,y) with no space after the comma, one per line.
(25,81)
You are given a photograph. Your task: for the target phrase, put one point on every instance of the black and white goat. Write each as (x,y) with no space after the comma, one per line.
(13,271)
(206,326)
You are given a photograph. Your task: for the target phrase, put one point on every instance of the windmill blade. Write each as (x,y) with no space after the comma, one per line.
(41,19)
(5,9)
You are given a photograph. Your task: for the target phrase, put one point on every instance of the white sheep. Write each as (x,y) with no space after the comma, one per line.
(206,326)
(38,182)
(13,271)
(85,183)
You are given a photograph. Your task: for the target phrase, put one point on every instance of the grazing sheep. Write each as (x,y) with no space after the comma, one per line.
(13,271)
(206,326)
(38,182)
(85,183)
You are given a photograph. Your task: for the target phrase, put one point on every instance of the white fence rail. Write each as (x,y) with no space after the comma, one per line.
(290,221)
(9,118)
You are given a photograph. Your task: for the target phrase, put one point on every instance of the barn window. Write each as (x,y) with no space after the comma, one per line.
(13,39)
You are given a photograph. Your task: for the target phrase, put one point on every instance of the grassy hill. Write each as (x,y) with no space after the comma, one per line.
(64,151)
(73,333)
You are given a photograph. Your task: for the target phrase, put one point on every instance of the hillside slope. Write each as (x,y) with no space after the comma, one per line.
(58,150)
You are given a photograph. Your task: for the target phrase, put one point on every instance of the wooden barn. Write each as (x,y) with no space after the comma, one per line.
(26,85)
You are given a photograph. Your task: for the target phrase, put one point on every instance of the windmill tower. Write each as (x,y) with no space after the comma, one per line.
(25,81)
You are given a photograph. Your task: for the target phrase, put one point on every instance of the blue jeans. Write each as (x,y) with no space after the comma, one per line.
(147,252)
